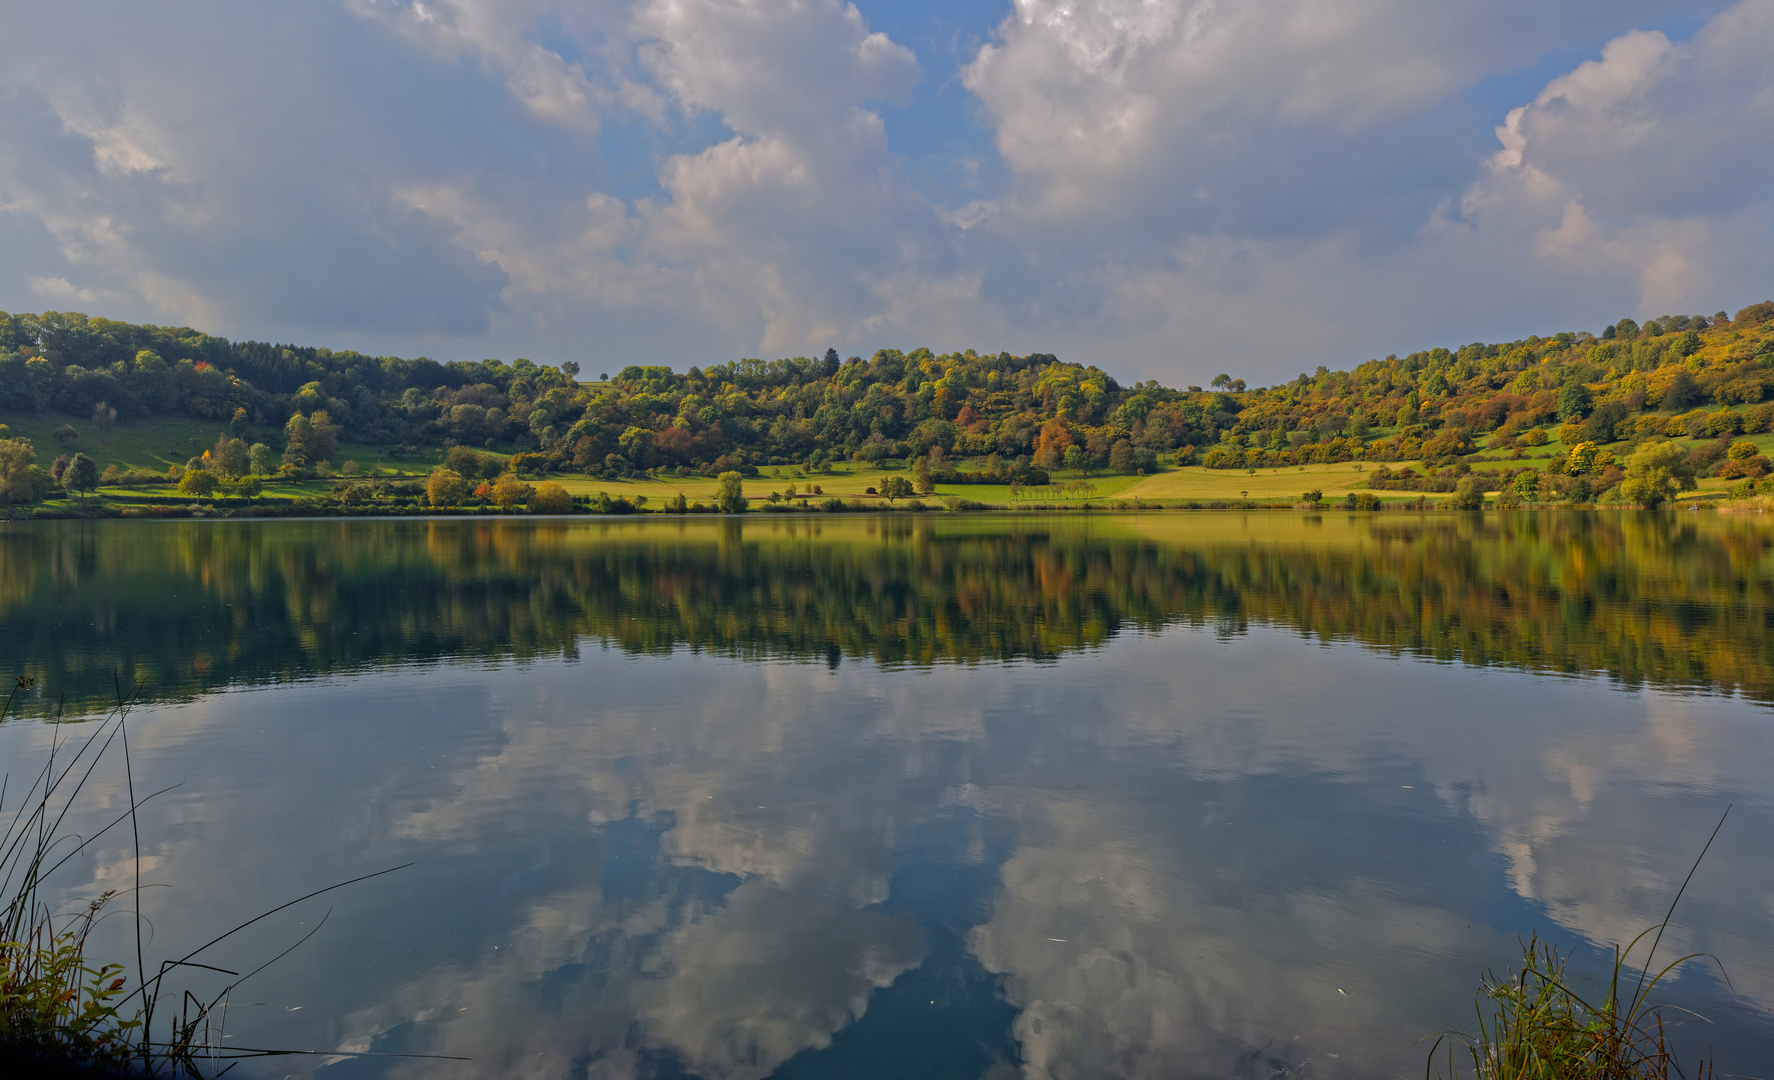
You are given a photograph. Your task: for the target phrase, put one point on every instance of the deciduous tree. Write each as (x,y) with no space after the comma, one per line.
(81,475)
(730,495)
(445,487)
(16,458)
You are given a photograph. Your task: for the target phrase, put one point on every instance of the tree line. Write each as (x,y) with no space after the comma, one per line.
(1009,414)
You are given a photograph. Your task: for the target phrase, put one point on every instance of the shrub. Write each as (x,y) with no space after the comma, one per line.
(1723,422)
(551,499)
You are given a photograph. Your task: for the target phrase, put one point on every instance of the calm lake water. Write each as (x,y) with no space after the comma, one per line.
(1131,795)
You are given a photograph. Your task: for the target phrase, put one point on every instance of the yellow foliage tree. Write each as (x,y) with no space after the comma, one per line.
(551,498)
(509,492)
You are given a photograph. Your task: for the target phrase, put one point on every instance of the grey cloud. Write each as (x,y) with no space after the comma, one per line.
(1264,186)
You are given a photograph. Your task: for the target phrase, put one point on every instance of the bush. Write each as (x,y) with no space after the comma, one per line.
(1468,495)
(529,464)
(551,499)
(1723,422)
(1361,500)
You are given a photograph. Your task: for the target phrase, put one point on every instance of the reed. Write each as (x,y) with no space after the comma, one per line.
(63,1012)
(1539,1027)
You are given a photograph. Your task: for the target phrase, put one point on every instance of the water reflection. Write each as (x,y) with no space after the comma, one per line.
(1194,842)
(183,607)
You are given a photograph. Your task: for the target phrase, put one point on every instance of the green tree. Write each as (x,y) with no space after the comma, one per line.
(1573,400)
(326,435)
(65,436)
(1468,495)
(469,465)
(81,475)
(896,487)
(261,460)
(198,483)
(231,457)
(16,458)
(921,476)
(1527,485)
(239,425)
(1657,473)
(298,446)
(730,496)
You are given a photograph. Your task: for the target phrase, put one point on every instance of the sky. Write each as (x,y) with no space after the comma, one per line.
(1166,188)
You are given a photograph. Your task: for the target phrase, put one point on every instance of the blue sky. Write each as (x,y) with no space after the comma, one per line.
(1169,188)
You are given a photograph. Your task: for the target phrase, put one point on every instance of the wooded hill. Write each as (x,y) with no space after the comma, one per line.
(1669,376)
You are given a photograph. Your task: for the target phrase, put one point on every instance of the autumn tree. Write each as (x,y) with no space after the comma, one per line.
(551,498)
(445,487)
(16,458)
(509,491)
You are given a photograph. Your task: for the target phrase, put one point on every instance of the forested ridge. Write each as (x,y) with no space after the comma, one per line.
(1674,375)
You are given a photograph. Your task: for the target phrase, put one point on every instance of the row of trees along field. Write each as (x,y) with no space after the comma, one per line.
(1019,413)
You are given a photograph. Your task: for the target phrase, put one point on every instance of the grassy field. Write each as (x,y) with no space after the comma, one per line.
(153,443)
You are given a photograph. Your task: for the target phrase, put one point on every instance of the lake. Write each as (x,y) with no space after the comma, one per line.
(1114,795)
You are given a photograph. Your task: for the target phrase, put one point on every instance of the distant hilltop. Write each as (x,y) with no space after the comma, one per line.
(1034,409)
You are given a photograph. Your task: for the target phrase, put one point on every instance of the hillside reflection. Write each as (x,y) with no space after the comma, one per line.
(180,608)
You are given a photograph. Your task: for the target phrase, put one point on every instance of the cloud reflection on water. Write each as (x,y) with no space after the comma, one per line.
(686,863)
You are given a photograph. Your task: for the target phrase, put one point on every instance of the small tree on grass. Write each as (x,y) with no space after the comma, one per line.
(445,487)
(730,496)
(509,491)
(896,487)
(198,483)
(1656,474)
(16,458)
(81,475)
